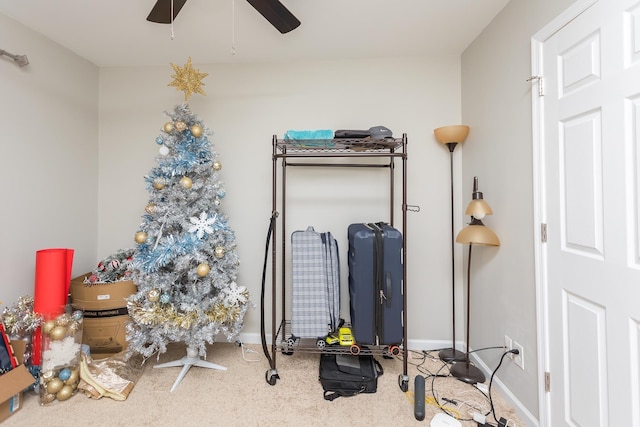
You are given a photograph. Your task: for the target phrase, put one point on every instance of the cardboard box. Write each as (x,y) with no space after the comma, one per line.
(13,383)
(105,314)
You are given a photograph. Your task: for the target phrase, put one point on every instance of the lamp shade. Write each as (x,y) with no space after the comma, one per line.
(478,208)
(476,233)
(454,133)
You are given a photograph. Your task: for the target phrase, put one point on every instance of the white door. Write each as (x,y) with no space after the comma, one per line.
(591,203)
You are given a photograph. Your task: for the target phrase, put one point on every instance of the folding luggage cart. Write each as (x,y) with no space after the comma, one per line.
(325,153)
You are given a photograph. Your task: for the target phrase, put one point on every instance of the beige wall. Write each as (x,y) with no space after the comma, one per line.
(496,103)
(49,157)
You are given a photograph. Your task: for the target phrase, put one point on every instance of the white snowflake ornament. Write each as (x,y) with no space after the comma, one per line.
(234,295)
(202,225)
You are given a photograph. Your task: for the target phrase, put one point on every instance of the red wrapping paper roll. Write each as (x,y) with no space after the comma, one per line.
(51,290)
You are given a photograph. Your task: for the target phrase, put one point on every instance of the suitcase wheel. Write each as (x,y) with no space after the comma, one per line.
(393,350)
(287,349)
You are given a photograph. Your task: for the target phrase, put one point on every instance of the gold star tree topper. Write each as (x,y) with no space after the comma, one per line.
(188,79)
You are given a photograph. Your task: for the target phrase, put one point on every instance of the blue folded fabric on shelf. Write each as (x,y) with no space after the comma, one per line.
(309,134)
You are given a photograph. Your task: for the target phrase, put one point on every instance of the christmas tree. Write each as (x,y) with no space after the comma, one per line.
(185,264)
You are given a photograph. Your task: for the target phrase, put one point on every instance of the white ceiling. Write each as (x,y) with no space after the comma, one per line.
(115,32)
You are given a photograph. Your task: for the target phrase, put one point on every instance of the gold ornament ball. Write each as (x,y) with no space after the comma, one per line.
(58,333)
(202,269)
(196,130)
(153,295)
(64,393)
(63,320)
(158,183)
(48,326)
(219,252)
(73,378)
(181,126)
(54,386)
(73,327)
(168,127)
(151,208)
(217,165)
(48,398)
(186,182)
(141,237)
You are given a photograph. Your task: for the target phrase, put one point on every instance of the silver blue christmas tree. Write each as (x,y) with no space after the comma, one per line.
(185,265)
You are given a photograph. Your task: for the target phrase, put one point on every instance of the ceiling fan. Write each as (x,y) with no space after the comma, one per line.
(274,11)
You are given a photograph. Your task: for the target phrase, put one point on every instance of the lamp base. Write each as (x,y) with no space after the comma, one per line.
(467,373)
(451,355)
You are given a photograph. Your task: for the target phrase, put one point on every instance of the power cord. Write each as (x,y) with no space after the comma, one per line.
(493,411)
(246,351)
(481,418)
(422,356)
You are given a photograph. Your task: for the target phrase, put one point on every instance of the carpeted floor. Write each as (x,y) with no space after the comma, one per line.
(241,396)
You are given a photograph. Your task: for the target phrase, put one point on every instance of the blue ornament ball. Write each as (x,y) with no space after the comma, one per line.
(65,374)
(165,298)
(159,141)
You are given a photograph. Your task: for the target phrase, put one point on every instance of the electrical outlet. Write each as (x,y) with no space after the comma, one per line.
(508,345)
(518,359)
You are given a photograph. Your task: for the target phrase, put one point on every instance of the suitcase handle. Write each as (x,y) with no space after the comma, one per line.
(388,289)
(385,294)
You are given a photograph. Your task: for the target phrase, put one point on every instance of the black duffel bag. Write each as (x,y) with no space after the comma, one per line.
(348,375)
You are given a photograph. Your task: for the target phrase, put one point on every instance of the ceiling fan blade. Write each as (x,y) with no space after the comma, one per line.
(161,12)
(277,14)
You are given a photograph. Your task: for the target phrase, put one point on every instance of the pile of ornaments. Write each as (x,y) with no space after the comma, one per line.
(61,356)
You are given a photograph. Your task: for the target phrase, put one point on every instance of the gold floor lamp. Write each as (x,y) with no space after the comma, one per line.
(476,233)
(451,136)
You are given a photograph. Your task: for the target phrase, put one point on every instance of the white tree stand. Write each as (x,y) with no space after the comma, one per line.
(191,359)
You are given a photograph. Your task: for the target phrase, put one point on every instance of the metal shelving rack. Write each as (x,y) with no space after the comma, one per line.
(296,153)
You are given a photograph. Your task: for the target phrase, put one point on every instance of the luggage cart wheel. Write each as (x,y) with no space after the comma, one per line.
(321,343)
(354,349)
(403,382)
(271,376)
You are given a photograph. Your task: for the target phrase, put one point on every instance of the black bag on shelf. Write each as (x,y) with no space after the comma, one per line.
(348,375)
(351,134)
(375,132)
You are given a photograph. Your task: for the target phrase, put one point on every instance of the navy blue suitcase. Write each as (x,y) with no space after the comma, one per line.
(375,284)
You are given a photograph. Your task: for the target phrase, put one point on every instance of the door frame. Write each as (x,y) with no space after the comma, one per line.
(539,198)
